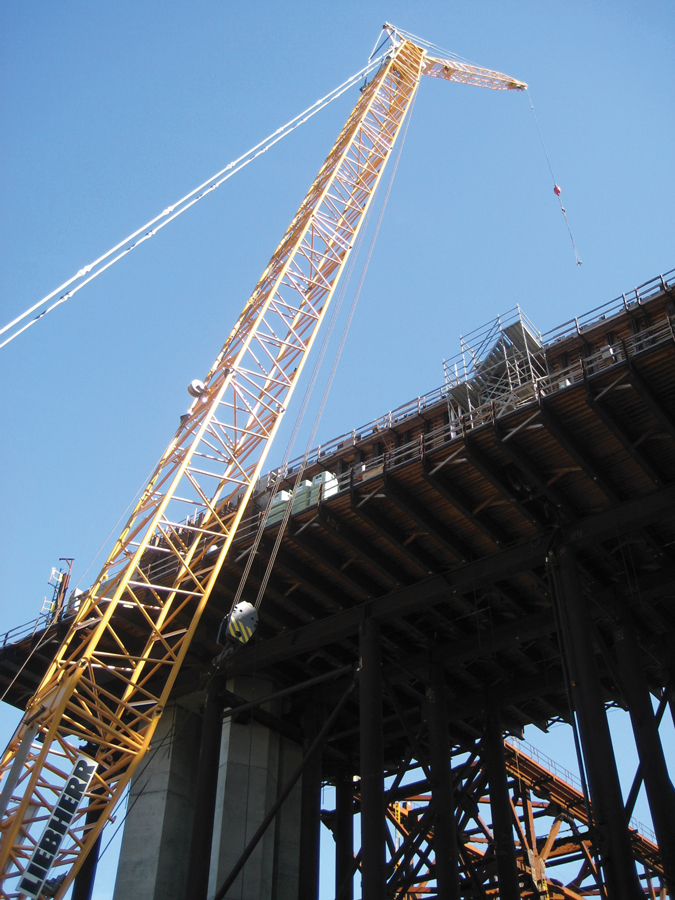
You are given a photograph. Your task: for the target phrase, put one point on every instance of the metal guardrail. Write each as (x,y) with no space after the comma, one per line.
(460,420)
(612,308)
(570,778)
(414,407)
(14,635)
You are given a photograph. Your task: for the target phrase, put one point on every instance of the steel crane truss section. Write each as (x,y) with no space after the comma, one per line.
(106,688)
(464,73)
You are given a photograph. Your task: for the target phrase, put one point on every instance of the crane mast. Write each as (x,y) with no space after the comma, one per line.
(92,719)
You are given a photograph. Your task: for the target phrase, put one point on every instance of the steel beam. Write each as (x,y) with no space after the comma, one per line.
(445,833)
(376,521)
(561,435)
(613,839)
(372,765)
(344,835)
(533,473)
(205,799)
(603,413)
(435,529)
(324,556)
(655,404)
(659,788)
(463,505)
(513,561)
(352,542)
(500,805)
(310,809)
(487,470)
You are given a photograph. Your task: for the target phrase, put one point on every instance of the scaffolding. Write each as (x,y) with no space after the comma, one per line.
(500,363)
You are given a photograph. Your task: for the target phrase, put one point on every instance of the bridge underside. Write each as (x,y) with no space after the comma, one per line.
(485,559)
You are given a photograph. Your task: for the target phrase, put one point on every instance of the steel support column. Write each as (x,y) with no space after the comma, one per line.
(659,788)
(310,814)
(500,805)
(344,836)
(205,800)
(83,886)
(608,811)
(445,834)
(372,764)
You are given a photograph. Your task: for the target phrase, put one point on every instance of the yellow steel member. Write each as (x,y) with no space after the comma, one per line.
(104,692)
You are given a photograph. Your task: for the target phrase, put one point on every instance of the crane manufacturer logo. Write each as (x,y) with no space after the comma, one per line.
(36,872)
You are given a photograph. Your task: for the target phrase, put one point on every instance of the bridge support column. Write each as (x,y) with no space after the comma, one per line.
(500,806)
(83,886)
(372,764)
(344,836)
(254,765)
(608,812)
(310,818)
(205,799)
(153,861)
(445,834)
(659,788)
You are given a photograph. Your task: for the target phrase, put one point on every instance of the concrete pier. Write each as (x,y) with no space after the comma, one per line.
(153,859)
(254,764)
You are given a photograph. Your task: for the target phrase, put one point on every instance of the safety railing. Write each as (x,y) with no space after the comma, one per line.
(568,777)
(634,298)
(28,629)
(460,421)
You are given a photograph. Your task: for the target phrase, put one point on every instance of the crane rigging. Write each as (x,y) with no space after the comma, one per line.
(93,716)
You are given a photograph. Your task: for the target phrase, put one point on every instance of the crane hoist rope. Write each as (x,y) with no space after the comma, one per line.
(310,441)
(93,716)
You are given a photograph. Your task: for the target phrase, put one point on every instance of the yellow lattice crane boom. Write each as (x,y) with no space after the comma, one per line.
(94,714)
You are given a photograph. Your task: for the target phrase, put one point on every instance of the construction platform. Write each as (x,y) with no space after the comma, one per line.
(502,547)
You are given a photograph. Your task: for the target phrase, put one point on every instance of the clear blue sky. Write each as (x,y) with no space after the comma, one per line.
(109,112)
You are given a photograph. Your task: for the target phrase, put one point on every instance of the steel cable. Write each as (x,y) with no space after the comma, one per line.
(180,206)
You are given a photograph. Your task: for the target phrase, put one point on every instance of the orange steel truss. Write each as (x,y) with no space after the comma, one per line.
(104,693)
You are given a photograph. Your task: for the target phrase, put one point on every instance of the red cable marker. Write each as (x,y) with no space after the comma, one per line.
(556,187)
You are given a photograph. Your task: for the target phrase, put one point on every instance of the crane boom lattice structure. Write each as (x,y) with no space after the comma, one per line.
(97,707)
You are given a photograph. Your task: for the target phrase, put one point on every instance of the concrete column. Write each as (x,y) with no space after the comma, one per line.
(659,788)
(500,806)
(153,858)
(608,812)
(445,836)
(253,763)
(286,842)
(372,764)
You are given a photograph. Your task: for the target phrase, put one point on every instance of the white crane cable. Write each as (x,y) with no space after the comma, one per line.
(310,442)
(171,212)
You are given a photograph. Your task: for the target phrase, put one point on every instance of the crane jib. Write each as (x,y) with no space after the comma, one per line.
(108,685)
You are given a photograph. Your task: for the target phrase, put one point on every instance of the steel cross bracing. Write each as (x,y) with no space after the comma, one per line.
(555,851)
(105,691)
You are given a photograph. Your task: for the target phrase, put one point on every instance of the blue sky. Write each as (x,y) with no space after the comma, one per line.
(112,111)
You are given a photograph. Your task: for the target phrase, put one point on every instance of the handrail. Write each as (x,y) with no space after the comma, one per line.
(527,749)
(461,420)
